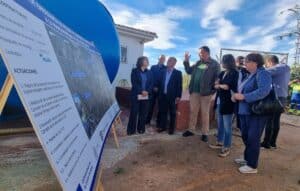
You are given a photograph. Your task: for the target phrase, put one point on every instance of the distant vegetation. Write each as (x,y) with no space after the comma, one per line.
(185,81)
(295,73)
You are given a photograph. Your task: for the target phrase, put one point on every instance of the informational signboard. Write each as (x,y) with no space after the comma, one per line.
(61,80)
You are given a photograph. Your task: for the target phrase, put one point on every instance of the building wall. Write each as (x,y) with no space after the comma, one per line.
(135,49)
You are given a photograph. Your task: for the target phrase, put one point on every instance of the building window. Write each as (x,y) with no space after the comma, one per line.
(123,54)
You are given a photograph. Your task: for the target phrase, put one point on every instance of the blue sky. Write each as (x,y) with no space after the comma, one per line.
(186,25)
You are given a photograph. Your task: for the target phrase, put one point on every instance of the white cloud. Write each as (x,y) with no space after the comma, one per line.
(180,38)
(260,37)
(266,43)
(165,24)
(279,17)
(222,29)
(217,9)
(226,30)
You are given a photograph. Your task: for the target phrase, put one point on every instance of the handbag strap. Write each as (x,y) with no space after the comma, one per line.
(273,90)
(272,86)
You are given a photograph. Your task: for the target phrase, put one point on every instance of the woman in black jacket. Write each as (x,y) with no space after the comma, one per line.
(225,85)
(142,84)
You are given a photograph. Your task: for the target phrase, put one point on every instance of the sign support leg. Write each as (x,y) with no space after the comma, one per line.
(4,93)
(99,183)
(114,132)
(119,121)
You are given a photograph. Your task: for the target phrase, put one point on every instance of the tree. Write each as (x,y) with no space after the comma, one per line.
(295,71)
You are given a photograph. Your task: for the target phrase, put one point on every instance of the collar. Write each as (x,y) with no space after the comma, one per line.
(207,62)
(171,70)
(142,70)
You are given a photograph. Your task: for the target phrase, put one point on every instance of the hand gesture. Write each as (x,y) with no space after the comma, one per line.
(238,96)
(187,56)
(217,84)
(224,87)
(144,93)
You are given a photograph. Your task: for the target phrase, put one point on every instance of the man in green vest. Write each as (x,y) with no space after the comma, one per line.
(204,74)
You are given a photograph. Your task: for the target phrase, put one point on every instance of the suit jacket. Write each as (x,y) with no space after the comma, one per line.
(156,73)
(174,88)
(136,81)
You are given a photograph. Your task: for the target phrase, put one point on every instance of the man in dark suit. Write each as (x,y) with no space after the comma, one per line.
(170,90)
(156,72)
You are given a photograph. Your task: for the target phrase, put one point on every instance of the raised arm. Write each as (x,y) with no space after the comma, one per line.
(186,63)
(277,70)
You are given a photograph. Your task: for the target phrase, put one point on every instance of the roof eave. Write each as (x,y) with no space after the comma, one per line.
(140,34)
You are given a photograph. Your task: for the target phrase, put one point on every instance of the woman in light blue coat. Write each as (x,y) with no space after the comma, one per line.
(254,88)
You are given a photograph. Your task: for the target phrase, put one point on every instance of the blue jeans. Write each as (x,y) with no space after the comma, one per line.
(224,128)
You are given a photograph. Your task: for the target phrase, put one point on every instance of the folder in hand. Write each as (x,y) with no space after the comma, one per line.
(141,97)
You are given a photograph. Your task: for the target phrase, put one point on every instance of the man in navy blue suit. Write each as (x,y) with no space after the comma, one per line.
(170,90)
(156,73)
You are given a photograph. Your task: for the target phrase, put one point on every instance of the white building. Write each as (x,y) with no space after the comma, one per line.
(132,46)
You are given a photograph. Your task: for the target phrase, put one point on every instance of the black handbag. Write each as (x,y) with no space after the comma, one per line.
(269,105)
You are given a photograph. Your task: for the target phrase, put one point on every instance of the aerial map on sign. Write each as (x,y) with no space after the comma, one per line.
(62,82)
(86,77)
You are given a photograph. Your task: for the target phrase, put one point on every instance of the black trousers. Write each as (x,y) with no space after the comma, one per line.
(152,102)
(272,130)
(273,126)
(137,117)
(167,106)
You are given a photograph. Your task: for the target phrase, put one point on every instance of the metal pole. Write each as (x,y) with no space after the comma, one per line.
(296,11)
(298,39)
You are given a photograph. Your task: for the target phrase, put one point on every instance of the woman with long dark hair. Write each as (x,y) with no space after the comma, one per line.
(254,88)
(226,83)
(142,84)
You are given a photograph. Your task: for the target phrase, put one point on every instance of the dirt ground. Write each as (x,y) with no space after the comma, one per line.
(187,164)
(161,163)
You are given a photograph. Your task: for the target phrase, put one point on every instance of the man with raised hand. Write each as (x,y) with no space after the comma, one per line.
(203,76)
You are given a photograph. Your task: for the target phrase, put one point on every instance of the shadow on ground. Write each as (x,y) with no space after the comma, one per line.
(160,162)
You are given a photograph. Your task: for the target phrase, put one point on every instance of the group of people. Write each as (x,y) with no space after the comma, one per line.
(161,83)
(242,82)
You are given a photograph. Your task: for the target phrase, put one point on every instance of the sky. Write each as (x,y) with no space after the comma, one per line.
(187,25)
